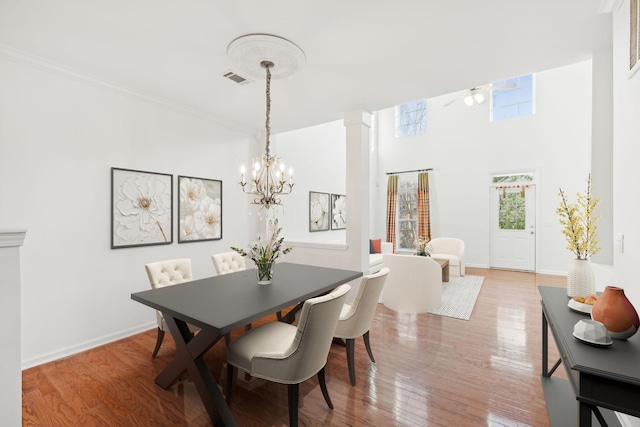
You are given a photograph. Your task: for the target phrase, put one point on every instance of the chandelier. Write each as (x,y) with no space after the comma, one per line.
(267,182)
(256,54)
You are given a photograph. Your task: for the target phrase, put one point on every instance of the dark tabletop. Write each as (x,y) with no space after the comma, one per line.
(620,361)
(232,300)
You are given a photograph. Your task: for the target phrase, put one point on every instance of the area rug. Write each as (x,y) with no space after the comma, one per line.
(459,296)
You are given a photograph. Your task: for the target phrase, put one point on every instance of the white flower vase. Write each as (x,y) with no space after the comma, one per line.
(580,279)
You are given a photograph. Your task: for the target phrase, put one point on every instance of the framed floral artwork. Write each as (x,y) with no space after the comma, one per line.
(318,211)
(199,209)
(338,212)
(141,208)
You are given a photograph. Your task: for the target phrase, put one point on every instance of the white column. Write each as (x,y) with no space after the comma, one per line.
(10,371)
(358,125)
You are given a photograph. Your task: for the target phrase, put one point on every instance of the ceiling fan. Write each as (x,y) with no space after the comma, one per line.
(476,95)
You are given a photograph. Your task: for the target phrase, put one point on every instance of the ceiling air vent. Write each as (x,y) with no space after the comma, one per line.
(233,76)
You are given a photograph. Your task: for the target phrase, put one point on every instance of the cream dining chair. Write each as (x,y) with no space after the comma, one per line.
(355,318)
(228,262)
(288,354)
(167,273)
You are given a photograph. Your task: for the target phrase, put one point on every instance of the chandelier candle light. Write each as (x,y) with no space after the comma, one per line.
(267,181)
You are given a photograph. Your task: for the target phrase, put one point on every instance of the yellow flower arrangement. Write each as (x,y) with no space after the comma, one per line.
(579,223)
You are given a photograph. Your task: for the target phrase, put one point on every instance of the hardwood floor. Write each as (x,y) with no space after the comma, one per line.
(430,371)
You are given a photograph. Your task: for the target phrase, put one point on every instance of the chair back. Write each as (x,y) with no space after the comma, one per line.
(228,262)
(414,283)
(448,245)
(169,272)
(308,352)
(356,321)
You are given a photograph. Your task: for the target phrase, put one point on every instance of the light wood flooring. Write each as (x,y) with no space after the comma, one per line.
(430,371)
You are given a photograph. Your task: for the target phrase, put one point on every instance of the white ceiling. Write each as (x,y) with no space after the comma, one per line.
(369,54)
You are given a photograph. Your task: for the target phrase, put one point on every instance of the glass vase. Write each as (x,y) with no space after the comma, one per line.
(264,272)
(580,279)
(616,313)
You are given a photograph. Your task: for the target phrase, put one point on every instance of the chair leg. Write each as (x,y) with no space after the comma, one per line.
(247,327)
(279,316)
(232,374)
(351,345)
(293,389)
(367,344)
(323,387)
(158,343)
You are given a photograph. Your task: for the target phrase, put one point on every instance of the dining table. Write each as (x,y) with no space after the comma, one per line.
(217,305)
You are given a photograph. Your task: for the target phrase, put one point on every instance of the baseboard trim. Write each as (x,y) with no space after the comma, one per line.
(87,345)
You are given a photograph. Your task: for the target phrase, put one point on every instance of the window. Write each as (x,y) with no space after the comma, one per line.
(411,118)
(512,213)
(407,214)
(515,102)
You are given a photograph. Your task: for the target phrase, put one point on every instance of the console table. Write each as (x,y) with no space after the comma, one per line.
(601,379)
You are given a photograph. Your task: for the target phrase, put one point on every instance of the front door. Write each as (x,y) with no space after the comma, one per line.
(513,238)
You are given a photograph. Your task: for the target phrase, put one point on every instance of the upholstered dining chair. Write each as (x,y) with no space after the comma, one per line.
(355,318)
(228,262)
(288,354)
(167,273)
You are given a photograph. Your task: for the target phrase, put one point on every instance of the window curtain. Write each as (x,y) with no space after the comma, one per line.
(424,217)
(392,206)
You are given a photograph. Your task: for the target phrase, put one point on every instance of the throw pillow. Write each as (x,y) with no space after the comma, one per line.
(376,245)
(371,248)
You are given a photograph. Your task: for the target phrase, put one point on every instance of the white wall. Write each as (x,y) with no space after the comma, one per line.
(626,197)
(60,134)
(463,147)
(317,155)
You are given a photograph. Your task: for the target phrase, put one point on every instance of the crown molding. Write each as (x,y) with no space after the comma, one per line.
(55,68)
(12,237)
(609,6)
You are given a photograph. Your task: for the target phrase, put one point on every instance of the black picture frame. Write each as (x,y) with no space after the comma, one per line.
(338,211)
(319,211)
(199,209)
(141,208)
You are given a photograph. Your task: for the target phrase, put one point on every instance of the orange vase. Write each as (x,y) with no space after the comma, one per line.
(614,310)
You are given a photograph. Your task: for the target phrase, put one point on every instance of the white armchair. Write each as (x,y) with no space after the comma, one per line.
(414,284)
(452,249)
(167,273)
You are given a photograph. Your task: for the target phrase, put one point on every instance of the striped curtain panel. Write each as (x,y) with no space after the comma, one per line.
(392,203)
(424,218)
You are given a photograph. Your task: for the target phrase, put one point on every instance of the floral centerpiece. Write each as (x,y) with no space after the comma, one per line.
(264,252)
(579,227)
(424,247)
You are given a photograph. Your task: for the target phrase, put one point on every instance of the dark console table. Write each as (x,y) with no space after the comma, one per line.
(601,379)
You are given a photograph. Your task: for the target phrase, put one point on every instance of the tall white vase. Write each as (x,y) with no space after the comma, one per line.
(580,280)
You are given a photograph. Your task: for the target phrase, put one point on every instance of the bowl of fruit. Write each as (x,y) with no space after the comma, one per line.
(583,304)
